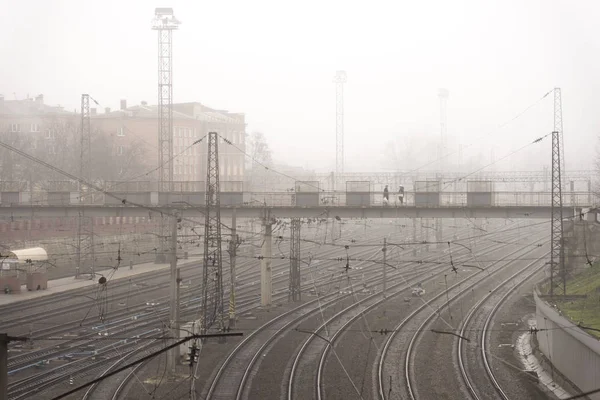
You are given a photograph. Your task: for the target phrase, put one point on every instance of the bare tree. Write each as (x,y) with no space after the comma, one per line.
(261,157)
(60,146)
(259,149)
(110,165)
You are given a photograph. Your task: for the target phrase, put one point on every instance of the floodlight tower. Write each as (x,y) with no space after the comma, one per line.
(165,23)
(339,80)
(443,96)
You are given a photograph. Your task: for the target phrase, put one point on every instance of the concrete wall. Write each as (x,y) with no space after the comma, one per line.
(572,351)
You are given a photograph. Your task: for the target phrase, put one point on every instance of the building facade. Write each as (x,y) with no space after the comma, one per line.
(43,131)
(124,142)
(137,126)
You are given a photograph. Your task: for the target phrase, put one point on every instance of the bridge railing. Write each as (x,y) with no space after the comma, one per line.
(290,199)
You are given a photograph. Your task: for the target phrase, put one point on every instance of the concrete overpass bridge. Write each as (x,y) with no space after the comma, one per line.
(139,202)
(426,199)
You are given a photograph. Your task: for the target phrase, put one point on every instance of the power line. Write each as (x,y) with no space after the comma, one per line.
(145,358)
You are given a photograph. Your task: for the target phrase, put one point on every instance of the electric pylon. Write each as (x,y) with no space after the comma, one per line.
(165,23)
(558,127)
(340,79)
(295,286)
(212,274)
(558,273)
(558,278)
(85,225)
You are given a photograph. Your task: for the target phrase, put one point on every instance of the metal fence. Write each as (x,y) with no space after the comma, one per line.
(291,198)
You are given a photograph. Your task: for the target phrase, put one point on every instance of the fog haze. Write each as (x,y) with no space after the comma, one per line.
(275,62)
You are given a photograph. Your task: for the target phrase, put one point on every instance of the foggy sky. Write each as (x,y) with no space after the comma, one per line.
(275,61)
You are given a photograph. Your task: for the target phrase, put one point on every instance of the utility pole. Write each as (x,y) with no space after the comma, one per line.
(165,23)
(266,274)
(85,225)
(173,356)
(384,250)
(212,273)
(339,80)
(295,288)
(4,340)
(233,244)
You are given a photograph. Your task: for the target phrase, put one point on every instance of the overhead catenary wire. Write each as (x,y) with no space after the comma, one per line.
(145,358)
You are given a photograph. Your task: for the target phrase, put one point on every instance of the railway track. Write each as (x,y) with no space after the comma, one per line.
(348,366)
(402,342)
(471,358)
(46,381)
(133,315)
(96,392)
(231,381)
(295,315)
(232,374)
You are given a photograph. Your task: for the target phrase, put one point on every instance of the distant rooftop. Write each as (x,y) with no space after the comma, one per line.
(190,111)
(30,106)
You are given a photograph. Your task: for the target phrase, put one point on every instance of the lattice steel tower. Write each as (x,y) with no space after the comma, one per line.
(85,225)
(165,23)
(558,276)
(212,274)
(340,79)
(295,285)
(558,127)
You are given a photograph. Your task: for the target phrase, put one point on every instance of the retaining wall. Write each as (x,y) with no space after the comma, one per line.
(572,351)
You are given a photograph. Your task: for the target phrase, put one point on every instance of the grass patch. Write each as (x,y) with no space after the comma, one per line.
(584,311)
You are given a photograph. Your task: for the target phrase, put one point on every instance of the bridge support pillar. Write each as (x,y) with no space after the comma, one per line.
(295,285)
(425,232)
(266,283)
(414,235)
(439,237)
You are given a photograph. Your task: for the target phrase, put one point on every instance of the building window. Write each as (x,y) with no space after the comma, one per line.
(15,128)
(35,128)
(121,131)
(120,150)
(51,149)
(49,134)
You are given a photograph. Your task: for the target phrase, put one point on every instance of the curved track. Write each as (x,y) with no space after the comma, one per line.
(481,313)
(401,343)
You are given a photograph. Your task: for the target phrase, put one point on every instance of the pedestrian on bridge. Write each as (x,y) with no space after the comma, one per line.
(401,194)
(386,196)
